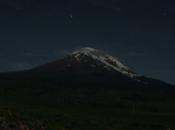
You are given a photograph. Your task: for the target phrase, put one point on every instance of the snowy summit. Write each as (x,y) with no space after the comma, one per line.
(108,61)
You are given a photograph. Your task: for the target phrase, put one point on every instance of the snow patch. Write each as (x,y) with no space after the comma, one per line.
(108,61)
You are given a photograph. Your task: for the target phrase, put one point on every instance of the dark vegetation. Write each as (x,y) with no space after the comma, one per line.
(42,105)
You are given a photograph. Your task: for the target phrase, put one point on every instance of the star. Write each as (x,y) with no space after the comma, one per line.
(71,16)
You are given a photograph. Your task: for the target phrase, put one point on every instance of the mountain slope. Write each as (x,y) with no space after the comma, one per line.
(86,66)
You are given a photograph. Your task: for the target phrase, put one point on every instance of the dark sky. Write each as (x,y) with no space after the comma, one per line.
(140,32)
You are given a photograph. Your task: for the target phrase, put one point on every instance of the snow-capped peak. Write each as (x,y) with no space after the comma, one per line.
(108,61)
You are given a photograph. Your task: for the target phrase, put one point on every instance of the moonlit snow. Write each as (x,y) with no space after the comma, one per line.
(108,61)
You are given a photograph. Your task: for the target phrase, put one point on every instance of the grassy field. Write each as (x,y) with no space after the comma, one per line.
(41,106)
(76,117)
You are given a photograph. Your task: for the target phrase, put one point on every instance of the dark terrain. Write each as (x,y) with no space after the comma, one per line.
(86,90)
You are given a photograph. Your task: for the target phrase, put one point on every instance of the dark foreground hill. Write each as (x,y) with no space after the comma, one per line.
(87,90)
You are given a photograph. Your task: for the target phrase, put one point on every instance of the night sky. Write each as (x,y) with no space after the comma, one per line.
(141,33)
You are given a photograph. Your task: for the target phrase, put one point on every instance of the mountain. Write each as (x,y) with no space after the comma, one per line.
(86,66)
(88,58)
(81,78)
(87,89)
